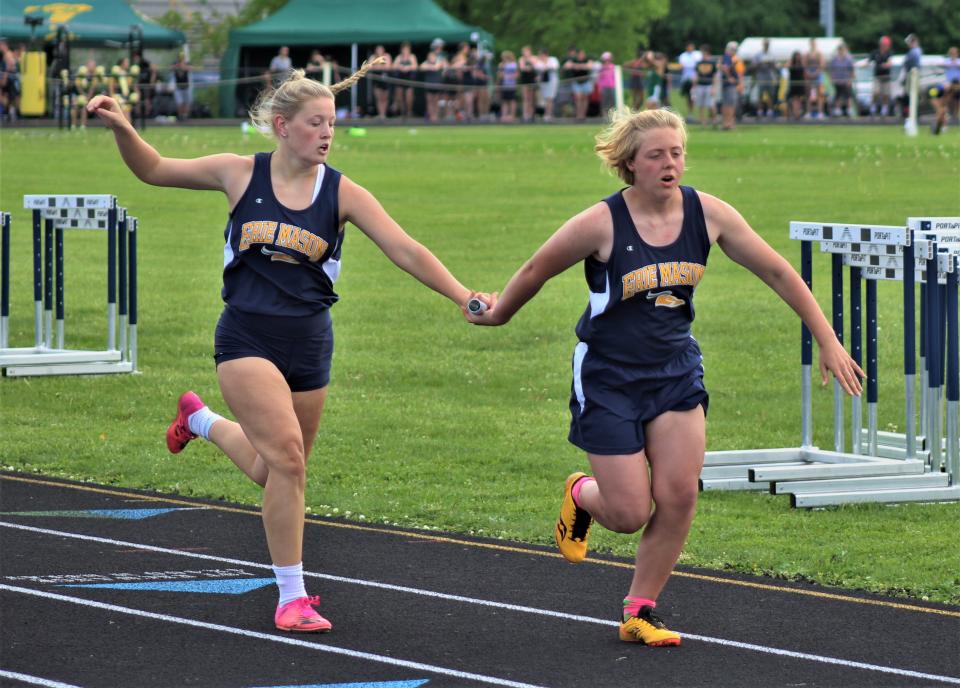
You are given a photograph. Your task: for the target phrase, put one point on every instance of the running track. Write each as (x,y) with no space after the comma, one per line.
(183,598)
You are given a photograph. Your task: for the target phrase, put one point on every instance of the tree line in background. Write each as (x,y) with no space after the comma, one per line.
(623,26)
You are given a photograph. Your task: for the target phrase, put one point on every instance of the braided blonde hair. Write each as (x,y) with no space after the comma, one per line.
(287,98)
(619,142)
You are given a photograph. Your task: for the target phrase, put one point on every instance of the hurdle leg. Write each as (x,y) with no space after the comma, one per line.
(856,352)
(838,441)
(48,283)
(941,368)
(909,354)
(132,321)
(37,282)
(872,368)
(59,258)
(953,375)
(924,372)
(122,279)
(4,280)
(112,280)
(934,340)
(806,353)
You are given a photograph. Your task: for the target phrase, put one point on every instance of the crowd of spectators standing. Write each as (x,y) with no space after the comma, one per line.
(132,80)
(467,82)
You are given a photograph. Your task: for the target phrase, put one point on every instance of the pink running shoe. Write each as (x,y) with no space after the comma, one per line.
(178,434)
(300,616)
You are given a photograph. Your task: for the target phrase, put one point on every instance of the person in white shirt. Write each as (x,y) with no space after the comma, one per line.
(548,75)
(688,72)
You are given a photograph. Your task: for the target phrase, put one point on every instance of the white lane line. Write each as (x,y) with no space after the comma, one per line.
(418,666)
(502,605)
(35,680)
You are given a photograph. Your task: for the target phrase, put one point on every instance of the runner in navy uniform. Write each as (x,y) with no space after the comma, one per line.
(638,402)
(274,340)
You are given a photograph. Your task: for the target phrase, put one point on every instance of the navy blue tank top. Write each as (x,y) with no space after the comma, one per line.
(641,299)
(278,261)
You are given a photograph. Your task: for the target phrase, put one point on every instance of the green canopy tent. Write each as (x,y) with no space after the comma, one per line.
(90,23)
(332,23)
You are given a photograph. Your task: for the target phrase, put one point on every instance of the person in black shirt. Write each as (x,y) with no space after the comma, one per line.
(880,59)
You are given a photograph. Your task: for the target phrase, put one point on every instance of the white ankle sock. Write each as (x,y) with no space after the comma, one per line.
(201,421)
(290,582)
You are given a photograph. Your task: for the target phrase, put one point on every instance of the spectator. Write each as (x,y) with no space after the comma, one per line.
(481,79)
(548,67)
(767,77)
(87,84)
(655,80)
(528,79)
(813,80)
(880,59)
(951,77)
(580,67)
(438,45)
(432,70)
(730,80)
(405,70)
(941,97)
(507,76)
(841,75)
(462,71)
(911,61)
(381,89)
(607,83)
(280,67)
(315,66)
(453,86)
(147,82)
(689,59)
(10,82)
(636,71)
(796,85)
(122,87)
(704,91)
(182,92)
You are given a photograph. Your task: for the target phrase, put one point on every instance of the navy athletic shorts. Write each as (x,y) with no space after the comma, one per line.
(610,402)
(300,346)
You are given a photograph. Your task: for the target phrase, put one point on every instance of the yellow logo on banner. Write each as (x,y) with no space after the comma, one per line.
(60,12)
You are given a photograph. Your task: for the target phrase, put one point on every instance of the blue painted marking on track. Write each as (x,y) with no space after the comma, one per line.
(128,514)
(131,514)
(233,586)
(379,684)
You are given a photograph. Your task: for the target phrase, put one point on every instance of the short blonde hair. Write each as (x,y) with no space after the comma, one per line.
(287,98)
(619,142)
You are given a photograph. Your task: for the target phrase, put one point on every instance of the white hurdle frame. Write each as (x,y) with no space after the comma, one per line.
(55,213)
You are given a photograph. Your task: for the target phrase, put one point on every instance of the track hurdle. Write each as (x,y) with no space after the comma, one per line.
(766,468)
(946,236)
(940,482)
(51,216)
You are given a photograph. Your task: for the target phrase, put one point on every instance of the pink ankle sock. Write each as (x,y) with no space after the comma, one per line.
(632,605)
(577,486)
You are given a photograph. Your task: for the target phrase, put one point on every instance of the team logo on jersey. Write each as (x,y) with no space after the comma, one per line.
(664,298)
(278,256)
(280,235)
(659,276)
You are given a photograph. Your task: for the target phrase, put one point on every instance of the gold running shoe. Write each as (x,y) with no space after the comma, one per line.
(573,525)
(648,629)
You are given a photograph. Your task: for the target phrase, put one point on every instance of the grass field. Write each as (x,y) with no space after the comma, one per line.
(432,423)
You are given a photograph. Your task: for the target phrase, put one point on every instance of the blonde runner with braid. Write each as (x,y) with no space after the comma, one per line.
(273,346)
